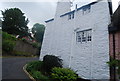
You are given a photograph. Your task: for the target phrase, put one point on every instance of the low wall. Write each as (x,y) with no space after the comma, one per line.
(24,48)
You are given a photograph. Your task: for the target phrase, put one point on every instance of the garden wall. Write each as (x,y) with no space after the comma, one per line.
(24,48)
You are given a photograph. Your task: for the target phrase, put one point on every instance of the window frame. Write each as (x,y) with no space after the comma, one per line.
(84,36)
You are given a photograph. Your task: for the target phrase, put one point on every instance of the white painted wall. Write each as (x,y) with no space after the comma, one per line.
(88,59)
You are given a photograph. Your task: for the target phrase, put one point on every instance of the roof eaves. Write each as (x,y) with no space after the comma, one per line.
(68,13)
(83,7)
(49,20)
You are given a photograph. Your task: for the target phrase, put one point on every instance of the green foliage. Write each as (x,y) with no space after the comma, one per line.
(21,53)
(8,45)
(24,40)
(63,74)
(51,61)
(39,76)
(38,31)
(35,44)
(7,36)
(8,42)
(14,22)
(34,65)
(34,69)
(116,63)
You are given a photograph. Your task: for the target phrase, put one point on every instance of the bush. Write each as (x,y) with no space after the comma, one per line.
(39,76)
(24,40)
(7,36)
(8,45)
(8,42)
(35,45)
(51,61)
(114,63)
(34,65)
(63,74)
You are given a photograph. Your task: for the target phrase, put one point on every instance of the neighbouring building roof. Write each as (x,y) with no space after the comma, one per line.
(116,18)
(115,24)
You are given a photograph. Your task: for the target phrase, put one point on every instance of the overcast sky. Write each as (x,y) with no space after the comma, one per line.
(37,11)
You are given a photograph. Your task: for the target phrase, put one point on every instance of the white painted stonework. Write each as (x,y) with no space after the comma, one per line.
(87,58)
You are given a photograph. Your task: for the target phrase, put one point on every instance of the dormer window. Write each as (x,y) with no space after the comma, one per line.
(71,16)
(86,10)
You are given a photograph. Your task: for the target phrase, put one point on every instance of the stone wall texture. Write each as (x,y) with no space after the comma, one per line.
(88,59)
(23,48)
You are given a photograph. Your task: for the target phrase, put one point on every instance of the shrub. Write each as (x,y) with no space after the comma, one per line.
(63,74)
(114,62)
(51,61)
(7,36)
(8,45)
(8,42)
(24,40)
(39,76)
(34,65)
(36,45)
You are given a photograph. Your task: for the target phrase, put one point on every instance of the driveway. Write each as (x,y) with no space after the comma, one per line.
(12,68)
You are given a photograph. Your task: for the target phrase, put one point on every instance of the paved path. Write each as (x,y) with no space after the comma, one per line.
(12,67)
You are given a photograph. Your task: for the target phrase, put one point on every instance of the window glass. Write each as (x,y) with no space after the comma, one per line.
(84,36)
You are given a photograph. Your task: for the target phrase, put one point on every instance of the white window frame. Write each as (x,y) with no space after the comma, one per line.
(84,36)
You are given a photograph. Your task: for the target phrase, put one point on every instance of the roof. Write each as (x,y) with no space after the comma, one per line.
(115,25)
(116,17)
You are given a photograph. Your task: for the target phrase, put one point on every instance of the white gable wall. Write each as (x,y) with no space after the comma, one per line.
(88,58)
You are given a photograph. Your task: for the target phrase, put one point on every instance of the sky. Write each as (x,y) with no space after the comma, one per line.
(38,11)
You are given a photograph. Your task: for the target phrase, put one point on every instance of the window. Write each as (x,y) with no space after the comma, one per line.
(86,10)
(89,36)
(84,36)
(71,16)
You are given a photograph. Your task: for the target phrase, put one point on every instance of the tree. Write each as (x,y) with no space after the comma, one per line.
(38,31)
(14,22)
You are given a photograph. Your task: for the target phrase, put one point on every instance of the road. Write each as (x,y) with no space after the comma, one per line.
(12,68)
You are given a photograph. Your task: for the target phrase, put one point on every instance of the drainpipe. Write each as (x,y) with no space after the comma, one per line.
(114,57)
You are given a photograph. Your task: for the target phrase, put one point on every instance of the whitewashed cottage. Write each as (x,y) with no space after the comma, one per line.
(80,37)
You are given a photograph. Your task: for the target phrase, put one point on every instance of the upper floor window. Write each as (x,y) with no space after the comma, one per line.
(84,36)
(86,10)
(71,16)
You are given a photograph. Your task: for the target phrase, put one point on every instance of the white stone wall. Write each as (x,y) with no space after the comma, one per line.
(88,59)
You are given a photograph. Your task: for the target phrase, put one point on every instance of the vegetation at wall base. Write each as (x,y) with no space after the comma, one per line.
(9,48)
(36,45)
(63,74)
(115,63)
(38,71)
(51,61)
(21,53)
